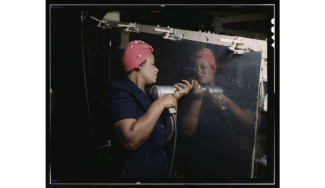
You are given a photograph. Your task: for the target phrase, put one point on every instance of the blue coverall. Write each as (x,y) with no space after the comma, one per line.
(126,100)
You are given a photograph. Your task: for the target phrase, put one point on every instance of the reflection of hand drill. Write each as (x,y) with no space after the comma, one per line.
(210,91)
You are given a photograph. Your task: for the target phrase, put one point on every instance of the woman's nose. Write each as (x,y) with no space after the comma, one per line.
(198,71)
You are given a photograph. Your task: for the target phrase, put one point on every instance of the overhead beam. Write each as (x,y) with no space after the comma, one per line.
(226,13)
(242,18)
(222,13)
(242,33)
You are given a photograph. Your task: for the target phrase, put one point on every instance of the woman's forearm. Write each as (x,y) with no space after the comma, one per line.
(136,134)
(245,116)
(190,121)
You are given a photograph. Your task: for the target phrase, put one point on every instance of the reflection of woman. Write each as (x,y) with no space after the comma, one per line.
(141,126)
(210,149)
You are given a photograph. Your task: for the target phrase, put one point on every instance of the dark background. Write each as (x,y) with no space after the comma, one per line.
(75,155)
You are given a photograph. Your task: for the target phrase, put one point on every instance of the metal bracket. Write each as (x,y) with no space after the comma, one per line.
(169,31)
(107,145)
(130,27)
(235,42)
(262,161)
(101,22)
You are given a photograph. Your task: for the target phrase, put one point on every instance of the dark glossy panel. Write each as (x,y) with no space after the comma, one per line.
(222,144)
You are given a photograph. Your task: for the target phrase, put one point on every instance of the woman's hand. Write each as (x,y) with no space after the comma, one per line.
(244,116)
(220,100)
(183,89)
(167,101)
(198,90)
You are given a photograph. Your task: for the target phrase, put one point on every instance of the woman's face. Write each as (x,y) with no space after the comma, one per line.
(204,72)
(149,71)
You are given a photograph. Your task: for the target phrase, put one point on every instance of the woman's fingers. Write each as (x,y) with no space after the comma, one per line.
(187,83)
(196,84)
(168,101)
(178,86)
(181,87)
(219,99)
(192,84)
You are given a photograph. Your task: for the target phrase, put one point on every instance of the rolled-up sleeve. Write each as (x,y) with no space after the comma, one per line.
(120,105)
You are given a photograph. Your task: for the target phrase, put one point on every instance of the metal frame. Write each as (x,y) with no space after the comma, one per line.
(233,42)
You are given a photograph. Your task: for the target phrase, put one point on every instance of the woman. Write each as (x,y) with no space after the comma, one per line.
(210,143)
(142,126)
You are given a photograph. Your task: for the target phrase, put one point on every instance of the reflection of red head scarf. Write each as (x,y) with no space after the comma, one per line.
(207,55)
(134,54)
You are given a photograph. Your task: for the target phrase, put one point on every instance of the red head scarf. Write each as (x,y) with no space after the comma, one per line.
(207,55)
(134,54)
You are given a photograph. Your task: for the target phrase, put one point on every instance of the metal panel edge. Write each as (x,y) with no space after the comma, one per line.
(198,36)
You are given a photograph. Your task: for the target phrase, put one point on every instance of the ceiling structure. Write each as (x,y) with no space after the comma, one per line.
(249,22)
